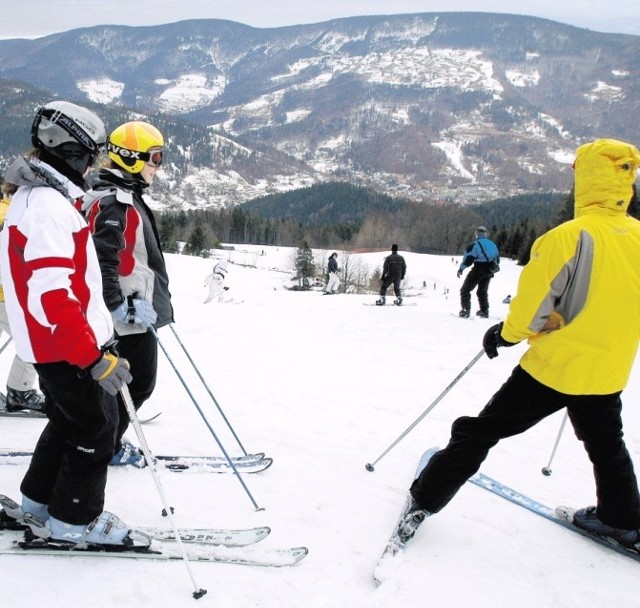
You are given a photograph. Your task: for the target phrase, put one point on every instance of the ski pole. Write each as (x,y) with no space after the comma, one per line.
(547,470)
(371,466)
(5,344)
(213,433)
(208,389)
(198,592)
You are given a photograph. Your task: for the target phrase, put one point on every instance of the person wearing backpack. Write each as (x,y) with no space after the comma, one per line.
(484,256)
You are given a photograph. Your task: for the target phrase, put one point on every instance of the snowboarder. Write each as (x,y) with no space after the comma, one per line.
(576,270)
(134,275)
(21,392)
(334,280)
(215,282)
(480,254)
(393,270)
(60,323)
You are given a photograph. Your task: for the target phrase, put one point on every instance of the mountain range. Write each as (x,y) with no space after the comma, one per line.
(459,107)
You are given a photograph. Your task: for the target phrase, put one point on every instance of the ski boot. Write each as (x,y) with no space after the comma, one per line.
(464,313)
(25,400)
(13,514)
(588,520)
(411,521)
(106,530)
(382,301)
(484,314)
(128,454)
(398,301)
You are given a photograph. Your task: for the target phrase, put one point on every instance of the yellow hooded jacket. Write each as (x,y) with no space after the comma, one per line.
(578,299)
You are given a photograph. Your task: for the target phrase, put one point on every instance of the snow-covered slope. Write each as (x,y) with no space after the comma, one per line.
(324,384)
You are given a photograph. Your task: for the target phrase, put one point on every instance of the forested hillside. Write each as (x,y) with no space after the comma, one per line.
(339,215)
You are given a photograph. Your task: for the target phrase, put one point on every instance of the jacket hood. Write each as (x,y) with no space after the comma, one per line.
(605,171)
(33,172)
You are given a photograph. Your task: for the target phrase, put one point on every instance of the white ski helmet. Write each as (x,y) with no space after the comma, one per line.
(70,132)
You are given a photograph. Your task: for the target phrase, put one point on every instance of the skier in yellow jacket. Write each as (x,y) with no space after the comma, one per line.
(576,304)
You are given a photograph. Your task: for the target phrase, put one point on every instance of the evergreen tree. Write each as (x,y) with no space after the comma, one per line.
(304,264)
(196,243)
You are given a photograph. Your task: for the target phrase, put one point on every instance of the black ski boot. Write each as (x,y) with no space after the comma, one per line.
(25,400)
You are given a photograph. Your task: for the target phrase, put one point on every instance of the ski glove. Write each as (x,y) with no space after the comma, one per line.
(493,339)
(111,372)
(135,311)
(459,273)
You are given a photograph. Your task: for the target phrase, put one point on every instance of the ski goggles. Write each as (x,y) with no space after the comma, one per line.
(131,157)
(153,157)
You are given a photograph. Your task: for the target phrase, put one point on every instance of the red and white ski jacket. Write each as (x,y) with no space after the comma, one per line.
(50,271)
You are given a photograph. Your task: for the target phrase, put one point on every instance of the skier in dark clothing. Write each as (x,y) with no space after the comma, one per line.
(134,276)
(393,271)
(334,278)
(480,254)
(580,353)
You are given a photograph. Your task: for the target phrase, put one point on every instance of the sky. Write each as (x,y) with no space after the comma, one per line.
(24,20)
(324,385)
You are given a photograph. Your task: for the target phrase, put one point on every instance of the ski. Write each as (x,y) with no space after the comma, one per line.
(391,304)
(196,536)
(474,317)
(562,516)
(27,544)
(209,464)
(394,544)
(21,414)
(250,463)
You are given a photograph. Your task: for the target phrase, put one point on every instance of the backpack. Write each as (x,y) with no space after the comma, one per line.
(493,265)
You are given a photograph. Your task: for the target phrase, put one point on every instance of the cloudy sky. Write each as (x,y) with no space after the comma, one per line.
(32,19)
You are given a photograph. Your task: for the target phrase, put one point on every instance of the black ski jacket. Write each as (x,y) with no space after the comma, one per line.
(128,246)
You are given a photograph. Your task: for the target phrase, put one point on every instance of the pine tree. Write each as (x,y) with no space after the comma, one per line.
(304,264)
(196,242)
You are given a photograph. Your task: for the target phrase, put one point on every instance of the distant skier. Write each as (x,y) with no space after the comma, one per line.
(334,280)
(215,282)
(393,271)
(480,254)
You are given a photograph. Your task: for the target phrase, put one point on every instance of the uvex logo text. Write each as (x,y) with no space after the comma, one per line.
(124,152)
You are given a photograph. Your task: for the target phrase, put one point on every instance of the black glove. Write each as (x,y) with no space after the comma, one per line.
(493,339)
(111,372)
(460,273)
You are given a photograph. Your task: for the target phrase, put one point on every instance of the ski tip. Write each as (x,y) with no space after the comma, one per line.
(265,463)
(299,553)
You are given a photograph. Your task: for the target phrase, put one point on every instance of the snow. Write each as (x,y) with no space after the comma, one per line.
(324,385)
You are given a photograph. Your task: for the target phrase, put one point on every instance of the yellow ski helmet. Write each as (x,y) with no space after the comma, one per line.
(135,143)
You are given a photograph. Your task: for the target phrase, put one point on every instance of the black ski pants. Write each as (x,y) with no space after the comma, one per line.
(396,286)
(518,405)
(68,470)
(479,276)
(141,351)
